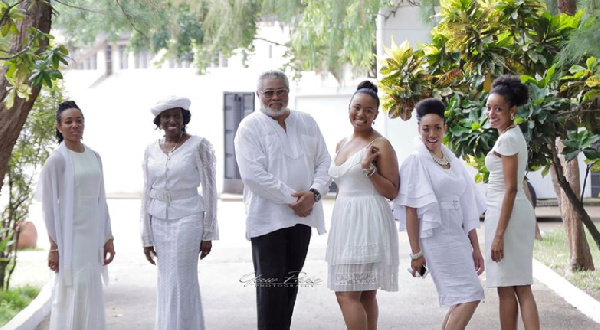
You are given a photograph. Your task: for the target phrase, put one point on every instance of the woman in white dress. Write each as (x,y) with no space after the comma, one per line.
(439,206)
(362,247)
(510,219)
(178,224)
(76,216)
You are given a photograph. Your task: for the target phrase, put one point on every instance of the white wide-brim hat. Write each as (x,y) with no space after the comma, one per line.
(170,102)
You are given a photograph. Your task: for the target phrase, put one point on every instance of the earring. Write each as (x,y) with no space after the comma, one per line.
(512,116)
(373,122)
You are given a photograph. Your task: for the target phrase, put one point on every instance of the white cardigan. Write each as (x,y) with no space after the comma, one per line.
(57,184)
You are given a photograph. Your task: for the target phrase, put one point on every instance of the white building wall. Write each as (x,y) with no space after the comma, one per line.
(119,124)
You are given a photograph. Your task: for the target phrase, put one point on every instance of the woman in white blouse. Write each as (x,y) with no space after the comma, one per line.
(178,223)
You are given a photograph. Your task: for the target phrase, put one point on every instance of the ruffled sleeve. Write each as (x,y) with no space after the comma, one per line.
(416,192)
(507,144)
(145,228)
(206,162)
(472,203)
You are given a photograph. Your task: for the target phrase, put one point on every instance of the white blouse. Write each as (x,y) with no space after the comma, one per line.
(274,163)
(171,182)
(418,190)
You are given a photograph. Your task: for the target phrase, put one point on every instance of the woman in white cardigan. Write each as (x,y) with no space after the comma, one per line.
(76,215)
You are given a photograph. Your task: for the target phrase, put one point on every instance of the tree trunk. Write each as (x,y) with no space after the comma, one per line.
(567,6)
(571,207)
(567,176)
(38,15)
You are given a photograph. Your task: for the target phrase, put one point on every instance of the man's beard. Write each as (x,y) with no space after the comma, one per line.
(274,113)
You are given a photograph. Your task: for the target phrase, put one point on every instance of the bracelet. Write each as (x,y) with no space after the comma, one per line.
(54,250)
(416,255)
(110,238)
(368,172)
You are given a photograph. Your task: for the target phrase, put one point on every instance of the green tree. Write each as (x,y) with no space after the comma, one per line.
(28,62)
(476,41)
(323,35)
(30,151)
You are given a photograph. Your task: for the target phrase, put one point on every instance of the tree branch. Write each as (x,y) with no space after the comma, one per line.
(270,41)
(17,54)
(577,110)
(80,8)
(573,199)
(129,19)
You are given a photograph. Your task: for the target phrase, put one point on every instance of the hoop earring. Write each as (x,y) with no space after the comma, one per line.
(512,117)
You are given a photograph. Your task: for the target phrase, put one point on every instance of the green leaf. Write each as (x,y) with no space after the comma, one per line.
(576,68)
(5,29)
(591,154)
(571,155)
(590,63)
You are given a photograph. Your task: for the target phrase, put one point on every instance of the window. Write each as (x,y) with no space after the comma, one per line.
(141,59)
(219,62)
(123,57)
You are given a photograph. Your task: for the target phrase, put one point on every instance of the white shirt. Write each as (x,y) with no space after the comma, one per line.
(171,186)
(274,163)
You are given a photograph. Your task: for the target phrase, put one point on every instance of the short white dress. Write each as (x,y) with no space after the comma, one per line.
(448,208)
(516,267)
(362,247)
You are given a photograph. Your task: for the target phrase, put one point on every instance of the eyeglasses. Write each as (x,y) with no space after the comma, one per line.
(279,92)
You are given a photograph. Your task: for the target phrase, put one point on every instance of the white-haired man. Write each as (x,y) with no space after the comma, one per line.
(283,163)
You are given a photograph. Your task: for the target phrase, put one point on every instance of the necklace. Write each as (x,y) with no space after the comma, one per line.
(443,162)
(506,129)
(169,153)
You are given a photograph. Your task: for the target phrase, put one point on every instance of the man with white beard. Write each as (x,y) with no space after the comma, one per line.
(283,163)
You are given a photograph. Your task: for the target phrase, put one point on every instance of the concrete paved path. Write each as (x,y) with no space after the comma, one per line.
(229,304)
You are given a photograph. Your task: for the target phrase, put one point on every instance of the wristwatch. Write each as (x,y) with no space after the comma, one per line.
(317,194)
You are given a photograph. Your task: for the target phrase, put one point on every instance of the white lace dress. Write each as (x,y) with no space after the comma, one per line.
(516,267)
(175,219)
(362,247)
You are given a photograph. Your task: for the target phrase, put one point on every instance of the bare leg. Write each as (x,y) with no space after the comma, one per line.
(508,308)
(460,315)
(354,313)
(369,301)
(529,312)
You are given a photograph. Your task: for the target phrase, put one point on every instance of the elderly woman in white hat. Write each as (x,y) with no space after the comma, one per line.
(177,222)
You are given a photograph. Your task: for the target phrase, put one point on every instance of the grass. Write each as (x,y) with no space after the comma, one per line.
(553,252)
(14,300)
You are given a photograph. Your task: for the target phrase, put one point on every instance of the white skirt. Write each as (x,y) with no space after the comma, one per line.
(177,245)
(362,247)
(516,268)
